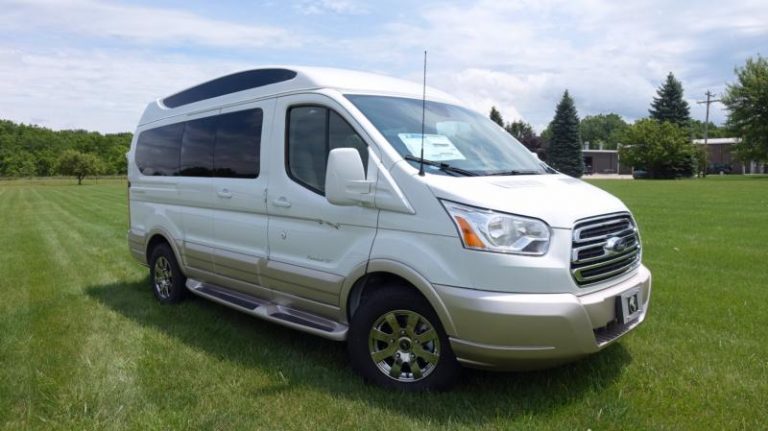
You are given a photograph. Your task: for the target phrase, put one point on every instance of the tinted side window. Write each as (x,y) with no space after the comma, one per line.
(238,144)
(229,84)
(307,146)
(157,151)
(197,147)
(342,135)
(313,131)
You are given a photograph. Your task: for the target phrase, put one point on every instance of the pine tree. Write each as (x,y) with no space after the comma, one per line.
(564,152)
(496,116)
(669,104)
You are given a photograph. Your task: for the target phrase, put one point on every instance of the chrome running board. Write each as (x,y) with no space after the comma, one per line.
(280,314)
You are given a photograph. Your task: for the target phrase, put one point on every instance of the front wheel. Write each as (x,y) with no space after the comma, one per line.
(396,341)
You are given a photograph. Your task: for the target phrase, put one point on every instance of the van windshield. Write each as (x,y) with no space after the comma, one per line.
(456,141)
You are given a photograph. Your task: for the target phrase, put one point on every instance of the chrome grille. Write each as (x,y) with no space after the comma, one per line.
(604,247)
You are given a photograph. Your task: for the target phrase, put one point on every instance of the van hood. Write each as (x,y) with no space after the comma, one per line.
(557,199)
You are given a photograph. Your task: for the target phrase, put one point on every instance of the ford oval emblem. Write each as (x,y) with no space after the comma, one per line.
(615,244)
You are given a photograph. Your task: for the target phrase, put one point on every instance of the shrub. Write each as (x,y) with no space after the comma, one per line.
(662,148)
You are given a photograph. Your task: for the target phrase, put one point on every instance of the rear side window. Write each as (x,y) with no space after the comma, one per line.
(313,131)
(197,147)
(238,144)
(157,150)
(226,146)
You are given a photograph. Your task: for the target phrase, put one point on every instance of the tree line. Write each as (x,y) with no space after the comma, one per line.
(661,143)
(28,150)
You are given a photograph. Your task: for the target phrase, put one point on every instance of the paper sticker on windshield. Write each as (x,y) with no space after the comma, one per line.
(436,147)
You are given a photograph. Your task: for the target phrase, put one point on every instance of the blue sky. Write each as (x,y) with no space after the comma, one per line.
(95,64)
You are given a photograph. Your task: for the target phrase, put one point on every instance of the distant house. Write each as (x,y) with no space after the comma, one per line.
(603,162)
(720,157)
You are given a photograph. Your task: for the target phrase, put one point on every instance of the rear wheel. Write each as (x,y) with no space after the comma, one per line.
(396,341)
(168,283)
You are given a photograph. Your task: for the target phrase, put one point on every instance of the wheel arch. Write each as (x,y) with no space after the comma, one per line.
(159,236)
(379,272)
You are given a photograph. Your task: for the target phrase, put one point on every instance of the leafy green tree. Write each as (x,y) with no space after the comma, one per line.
(523,132)
(564,152)
(495,116)
(19,165)
(546,135)
(663,149)
(713,131)
(519,129)
(747,103)
(27,150)
(79,165)
(602,129)
(669,105)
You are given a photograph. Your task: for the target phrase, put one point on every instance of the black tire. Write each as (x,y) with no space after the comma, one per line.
(376,310)
(168,282)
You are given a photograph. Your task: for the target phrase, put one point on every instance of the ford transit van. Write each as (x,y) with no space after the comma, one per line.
(318,199)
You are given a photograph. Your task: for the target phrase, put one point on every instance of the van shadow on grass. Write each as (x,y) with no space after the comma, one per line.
(296,359)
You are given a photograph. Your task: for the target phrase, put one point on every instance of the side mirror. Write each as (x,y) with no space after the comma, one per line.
(345,182)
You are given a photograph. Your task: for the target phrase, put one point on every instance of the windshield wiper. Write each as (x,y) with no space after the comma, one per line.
(515,172)
(445,167)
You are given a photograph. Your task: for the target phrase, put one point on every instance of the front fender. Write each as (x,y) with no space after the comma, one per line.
(408,273)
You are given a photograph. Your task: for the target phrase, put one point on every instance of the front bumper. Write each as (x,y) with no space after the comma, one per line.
(509,331)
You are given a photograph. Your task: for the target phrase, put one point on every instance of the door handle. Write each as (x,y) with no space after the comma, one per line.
(281,202)
(224,193)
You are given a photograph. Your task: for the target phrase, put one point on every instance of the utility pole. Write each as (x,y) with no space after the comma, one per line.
(709,101)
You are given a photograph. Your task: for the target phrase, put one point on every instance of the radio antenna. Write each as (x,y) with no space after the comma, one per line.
(423,110)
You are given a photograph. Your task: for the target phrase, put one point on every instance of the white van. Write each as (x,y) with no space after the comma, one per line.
(295,195)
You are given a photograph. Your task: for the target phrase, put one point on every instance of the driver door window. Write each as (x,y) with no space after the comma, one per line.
(313,131)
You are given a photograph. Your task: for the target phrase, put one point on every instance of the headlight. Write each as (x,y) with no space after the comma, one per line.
(482,229)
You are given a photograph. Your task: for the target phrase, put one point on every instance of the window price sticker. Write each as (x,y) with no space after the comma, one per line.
(436,147)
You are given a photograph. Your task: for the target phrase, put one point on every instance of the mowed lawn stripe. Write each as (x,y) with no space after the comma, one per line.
(706,246)
(41,352)
(71,250)
(78,244)
(15,339)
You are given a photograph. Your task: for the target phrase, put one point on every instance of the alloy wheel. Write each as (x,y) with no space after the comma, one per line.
(404,345)
(163,277)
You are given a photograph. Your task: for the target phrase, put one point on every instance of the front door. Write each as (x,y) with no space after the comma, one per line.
(313,244)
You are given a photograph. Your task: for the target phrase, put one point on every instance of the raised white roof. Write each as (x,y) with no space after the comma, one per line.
(307,78)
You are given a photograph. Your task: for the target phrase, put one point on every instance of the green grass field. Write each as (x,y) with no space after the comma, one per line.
(84,345)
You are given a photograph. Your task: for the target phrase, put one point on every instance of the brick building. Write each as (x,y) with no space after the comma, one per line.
(721,158)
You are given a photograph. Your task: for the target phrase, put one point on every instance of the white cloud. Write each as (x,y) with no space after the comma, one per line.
(79,86)
(95,64)
(105,91)
(521,56)
(138,24)
(318,7)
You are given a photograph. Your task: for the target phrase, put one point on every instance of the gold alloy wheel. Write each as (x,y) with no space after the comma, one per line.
(404,345)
